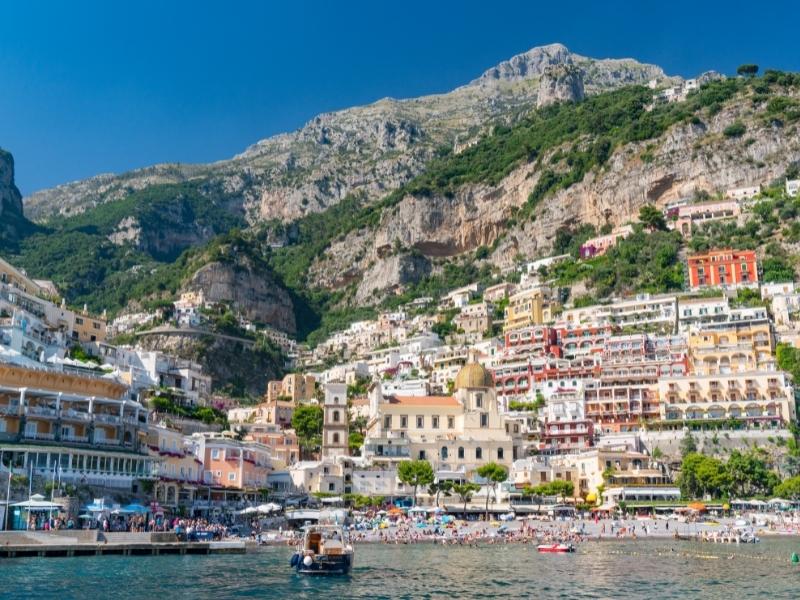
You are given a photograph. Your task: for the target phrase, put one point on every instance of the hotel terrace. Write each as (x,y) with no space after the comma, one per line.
(80,426)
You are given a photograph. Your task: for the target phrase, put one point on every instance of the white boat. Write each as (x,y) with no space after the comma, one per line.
(325,550)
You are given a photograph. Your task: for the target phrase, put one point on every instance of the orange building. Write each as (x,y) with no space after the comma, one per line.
(232,464)
(723,268)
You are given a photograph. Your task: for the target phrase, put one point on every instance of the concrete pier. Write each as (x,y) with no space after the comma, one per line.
(18,544)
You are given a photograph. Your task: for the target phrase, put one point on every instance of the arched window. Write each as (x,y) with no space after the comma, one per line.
(461,452)
(478,453)
(336,416)
(335,438)
(444,452)
(499,454)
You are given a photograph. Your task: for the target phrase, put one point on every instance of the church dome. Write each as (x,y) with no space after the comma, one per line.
(473,375)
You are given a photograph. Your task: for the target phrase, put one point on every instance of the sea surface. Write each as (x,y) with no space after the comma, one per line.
(628,569)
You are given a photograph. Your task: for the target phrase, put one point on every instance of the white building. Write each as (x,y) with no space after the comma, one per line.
(792,186)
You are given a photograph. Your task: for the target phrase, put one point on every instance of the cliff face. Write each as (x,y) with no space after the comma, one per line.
(234,367)
(560,83)
(253,292)
(10,198)
(13,224)
(369,150)
(687,158)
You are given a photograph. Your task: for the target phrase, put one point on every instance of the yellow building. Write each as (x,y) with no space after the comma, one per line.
(758,398)
(179,471)
(16,278)
(295,387)
(732,349)
(88,328)
(527,308)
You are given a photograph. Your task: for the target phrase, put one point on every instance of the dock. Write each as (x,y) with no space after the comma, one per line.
(19,544)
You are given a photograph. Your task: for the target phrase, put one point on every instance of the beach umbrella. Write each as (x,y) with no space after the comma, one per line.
(135,508)
(698,506)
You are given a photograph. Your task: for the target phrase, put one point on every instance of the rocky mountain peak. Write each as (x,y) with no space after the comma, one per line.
(526,65)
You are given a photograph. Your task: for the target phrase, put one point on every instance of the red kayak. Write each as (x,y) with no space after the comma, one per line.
(556,548)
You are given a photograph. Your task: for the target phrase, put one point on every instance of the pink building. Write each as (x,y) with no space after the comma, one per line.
(600,245)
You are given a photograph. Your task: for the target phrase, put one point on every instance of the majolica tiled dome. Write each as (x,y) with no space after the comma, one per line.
(473,375)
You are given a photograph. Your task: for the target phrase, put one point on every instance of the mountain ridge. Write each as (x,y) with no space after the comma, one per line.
(369,149)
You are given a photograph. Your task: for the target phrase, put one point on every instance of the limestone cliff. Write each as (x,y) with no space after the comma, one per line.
(234,367)
(690,156)
(251,290)
(13,224)
(560,83)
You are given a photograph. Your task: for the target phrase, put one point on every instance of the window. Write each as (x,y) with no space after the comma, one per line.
(336,416)
(500,454)
(478,400)
(331,487)
(335,438)
(478,453)
(420,422)
(451,422)
(422,454)
(444,452)
(387,422)
(403,421)
(231,476)
(78,321)
(484,420)
(215,454)
(461,452)
(435,422)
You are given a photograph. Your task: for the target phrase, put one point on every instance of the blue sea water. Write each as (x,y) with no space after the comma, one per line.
(644,569)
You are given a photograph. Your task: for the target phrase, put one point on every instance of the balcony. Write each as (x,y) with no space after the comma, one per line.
(42,411)
(106,418)
(39,436)
(75,415)
(9,409)
(82,439)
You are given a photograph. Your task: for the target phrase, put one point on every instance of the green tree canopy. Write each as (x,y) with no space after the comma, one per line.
(747,70)
(307,423)
(789,488)
(493,473)
(415,473)
(652,218)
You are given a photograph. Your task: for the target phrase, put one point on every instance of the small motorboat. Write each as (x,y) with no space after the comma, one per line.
(325,550)
(556,548)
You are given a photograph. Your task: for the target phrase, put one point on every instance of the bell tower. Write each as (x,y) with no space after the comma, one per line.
(334,422)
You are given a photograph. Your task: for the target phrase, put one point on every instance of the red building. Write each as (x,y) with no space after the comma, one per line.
(722,268)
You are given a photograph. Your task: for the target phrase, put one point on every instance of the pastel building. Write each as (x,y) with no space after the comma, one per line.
(85,427)
(597,246)
(457,433)
(723,268)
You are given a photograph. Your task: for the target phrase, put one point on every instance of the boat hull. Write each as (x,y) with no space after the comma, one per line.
(556,548)
(324,565)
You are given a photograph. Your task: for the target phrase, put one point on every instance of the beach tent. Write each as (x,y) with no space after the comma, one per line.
(269,507)
(37,503)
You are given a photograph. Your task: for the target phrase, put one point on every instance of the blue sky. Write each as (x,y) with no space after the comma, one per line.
(93,87)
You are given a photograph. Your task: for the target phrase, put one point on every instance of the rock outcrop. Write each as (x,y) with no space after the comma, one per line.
(561,83)
(234,367)
(13,224)
(252,291)
(391,274)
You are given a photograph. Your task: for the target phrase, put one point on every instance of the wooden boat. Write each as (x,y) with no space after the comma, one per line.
(556,548)
(325,550)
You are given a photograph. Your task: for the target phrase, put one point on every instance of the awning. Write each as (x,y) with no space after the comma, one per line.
(698,506)
(604,508)
(38,505)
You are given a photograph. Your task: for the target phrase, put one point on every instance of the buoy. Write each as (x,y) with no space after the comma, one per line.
(307,561)
(795,558)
